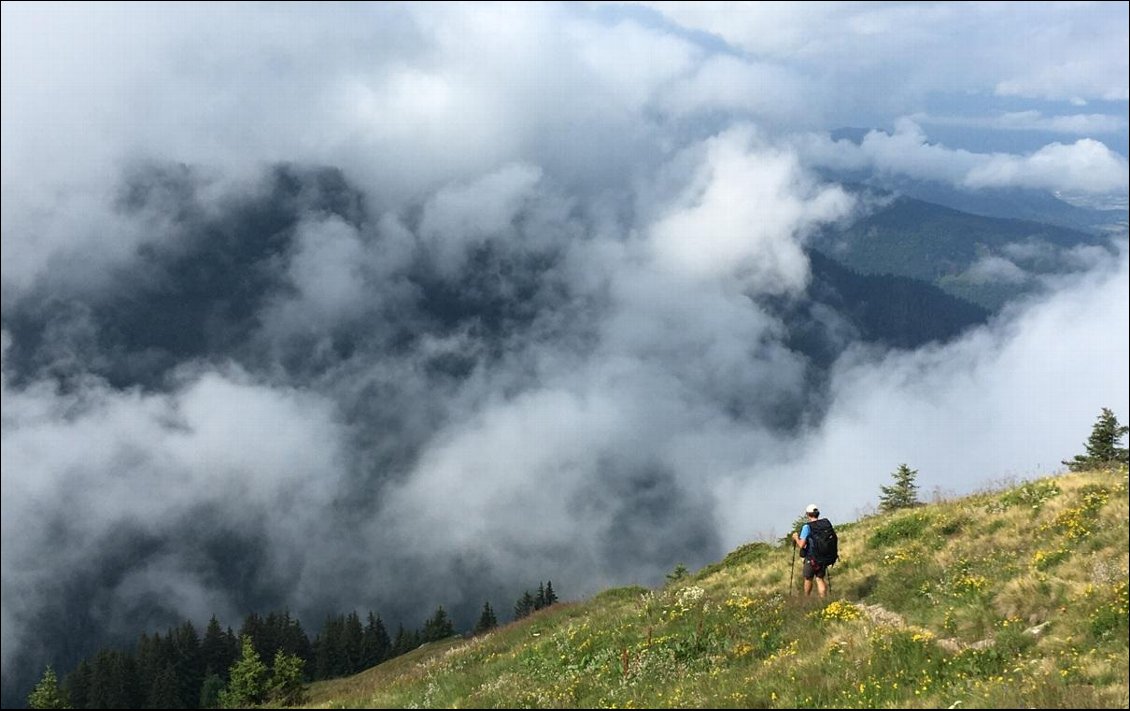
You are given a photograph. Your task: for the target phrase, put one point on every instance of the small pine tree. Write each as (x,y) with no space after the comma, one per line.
(46,694)
(438,626)
(1103,449)
(487,620)
(903,493)
(285,687)
(550,596)
(210,691)
(247,680)
(524,606)
(677,573)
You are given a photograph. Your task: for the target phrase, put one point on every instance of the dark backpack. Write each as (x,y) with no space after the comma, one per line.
(822,544)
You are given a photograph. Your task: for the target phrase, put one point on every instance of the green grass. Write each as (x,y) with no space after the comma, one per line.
(1005,599)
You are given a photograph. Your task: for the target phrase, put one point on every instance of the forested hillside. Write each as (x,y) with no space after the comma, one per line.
(985,260)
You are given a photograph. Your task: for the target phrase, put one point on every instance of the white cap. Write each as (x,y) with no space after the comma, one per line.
(811,509)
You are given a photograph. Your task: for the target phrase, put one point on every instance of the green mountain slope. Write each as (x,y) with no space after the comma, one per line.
(985,260)
(1004,599)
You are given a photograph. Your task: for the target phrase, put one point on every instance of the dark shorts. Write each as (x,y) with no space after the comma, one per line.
(809,573)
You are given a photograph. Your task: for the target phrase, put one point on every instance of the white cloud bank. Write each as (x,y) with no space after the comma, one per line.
(1085,166)
(1008,401)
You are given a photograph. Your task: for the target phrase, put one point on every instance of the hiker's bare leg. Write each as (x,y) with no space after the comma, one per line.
(807,587)
(822,587)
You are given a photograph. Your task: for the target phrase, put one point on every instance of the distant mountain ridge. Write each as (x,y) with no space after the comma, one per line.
(1013,203)
(986,260)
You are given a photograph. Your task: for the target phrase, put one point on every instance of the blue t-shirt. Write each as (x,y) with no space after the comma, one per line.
(804,531)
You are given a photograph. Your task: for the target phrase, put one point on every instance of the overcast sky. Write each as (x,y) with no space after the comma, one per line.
(615,184)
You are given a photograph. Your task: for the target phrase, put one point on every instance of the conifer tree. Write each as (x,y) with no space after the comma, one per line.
(247,680)
(677,573)
(162,692)
(234,650)
(550,596)
(438,626)
(487,620)
(77,686)
(539,601)
(188,669)
(271,637)
(375,644)
(405,641)
(113,681)
(524,606)
(285,686)
(217,653)
(1103,449)
(321,658)
(352,636)
(125,691)
(263,632)
(210,691)
(903,493)
(328,659)
(294,640)
(150,659)
(46,693)
(100,692)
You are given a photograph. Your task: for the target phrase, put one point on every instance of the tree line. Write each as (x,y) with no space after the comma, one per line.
(269,660)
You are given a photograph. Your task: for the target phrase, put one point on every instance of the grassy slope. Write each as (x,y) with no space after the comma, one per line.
(1004,599)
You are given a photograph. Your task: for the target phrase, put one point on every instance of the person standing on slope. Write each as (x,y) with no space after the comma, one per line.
(818,548)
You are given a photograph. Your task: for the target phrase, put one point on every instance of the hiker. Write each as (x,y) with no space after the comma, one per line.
(819,549)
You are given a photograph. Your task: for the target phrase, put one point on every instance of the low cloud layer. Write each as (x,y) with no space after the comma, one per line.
(1085,166)
(1021,386)
(1033,120)
(385,307)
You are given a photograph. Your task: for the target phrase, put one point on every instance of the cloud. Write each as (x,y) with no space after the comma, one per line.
(326,270)
(459,217)
(725,83)
(81,466)
(746,212)
(1032,120)
(1039,51)
(1095,74)
(992,269)
(1086,166)
(1008,401)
